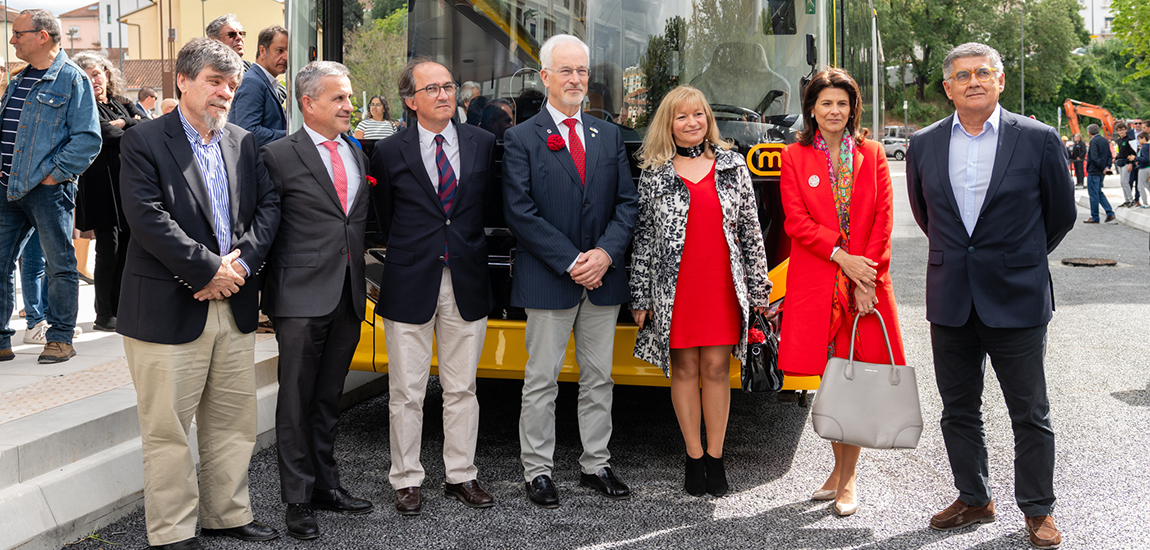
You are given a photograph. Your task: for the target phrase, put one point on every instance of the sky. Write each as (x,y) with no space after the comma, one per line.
(55,6)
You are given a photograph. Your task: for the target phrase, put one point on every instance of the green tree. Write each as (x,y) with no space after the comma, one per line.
(1132,24)
(375,56)
(383,8)
(352,14)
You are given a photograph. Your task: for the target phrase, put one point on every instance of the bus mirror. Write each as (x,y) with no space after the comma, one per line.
(812,51)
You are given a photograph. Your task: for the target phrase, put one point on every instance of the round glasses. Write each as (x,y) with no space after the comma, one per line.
(983,74)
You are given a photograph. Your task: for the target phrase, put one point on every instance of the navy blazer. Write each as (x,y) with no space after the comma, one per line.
(1001,269)
(555,217)
(415,227)
(257,109)
(173,252)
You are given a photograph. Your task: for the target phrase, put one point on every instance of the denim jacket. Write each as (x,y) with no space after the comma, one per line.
(59,132)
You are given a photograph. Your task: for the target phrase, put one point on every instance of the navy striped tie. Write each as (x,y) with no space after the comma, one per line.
(446,184)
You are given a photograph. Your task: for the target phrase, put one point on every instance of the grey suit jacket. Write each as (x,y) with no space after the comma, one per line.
(315,238)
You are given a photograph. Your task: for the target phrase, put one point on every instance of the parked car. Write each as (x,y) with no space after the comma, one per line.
(895,147)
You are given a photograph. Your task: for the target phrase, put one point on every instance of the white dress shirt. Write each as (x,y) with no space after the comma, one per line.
(350,167)
(450,148)
(559,118)
(971,162)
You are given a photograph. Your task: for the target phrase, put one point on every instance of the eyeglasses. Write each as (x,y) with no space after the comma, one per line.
(432,90)
(567,72)
(16,34)
(983,74)
(233,34)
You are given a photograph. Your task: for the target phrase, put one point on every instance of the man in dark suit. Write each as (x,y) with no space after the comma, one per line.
(146,103)
(991,191)
(432,179)
(315,293)
(1098,159)
(203,214)
(258,106)
(570,201)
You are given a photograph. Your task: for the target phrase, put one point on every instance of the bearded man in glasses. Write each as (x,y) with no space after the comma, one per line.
(991,191)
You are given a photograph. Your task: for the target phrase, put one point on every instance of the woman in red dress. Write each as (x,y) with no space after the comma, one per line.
(837,199)
(698,267)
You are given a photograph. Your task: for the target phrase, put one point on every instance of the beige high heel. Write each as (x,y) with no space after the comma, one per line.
(843,510)
(824,494)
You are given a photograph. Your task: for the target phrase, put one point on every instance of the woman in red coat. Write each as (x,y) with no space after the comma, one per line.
(837,198)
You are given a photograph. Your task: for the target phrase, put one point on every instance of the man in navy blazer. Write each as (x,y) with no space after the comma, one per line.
(258,108)
(991,191)
(571,203)
(432,178)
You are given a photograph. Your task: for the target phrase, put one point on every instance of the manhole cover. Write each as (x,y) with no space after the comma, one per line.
(1089,262)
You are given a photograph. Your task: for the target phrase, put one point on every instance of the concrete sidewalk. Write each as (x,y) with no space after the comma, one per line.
(70,458)
(1138,218)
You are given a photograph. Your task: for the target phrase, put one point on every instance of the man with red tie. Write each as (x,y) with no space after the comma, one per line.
(569,199)
(315,293)
(432,179)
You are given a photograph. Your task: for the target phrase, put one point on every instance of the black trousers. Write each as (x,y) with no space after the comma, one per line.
(1018,356)
(1080,172)
(111,253)
(315,353)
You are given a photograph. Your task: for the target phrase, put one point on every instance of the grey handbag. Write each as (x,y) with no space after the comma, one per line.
(866,404)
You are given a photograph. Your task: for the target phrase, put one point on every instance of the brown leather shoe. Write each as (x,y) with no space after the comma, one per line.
(408,502)
(7,354)
(1110,218)
(1043,533)
(469,493)
(960,514)
(56,352)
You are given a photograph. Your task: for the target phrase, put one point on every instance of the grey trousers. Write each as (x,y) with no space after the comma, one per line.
(1018,356)
(546,337)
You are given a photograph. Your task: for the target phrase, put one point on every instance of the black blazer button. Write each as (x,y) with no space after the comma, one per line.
(343,251)
(971,250)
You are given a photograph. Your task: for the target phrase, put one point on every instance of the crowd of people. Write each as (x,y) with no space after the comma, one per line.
(193,210)
(1127,155)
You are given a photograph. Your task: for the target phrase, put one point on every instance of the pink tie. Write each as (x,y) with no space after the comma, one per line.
(339,175)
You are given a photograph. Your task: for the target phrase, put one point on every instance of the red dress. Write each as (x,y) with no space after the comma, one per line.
(706,310)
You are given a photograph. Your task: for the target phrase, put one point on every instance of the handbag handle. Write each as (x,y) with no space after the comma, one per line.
(849,371)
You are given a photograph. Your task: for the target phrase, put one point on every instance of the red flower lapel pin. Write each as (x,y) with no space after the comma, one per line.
(555,142)
(371,180)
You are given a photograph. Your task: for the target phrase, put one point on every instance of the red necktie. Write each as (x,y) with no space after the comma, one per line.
(576,147)
(338,174)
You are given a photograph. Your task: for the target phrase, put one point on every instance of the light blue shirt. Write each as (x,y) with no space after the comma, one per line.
(971,162)
(210,162)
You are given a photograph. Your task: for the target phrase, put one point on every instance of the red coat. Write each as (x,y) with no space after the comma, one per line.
(813,225)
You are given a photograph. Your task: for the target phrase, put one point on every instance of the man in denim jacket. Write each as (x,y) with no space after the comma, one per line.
(50,134)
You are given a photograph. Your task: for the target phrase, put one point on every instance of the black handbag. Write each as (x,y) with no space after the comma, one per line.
(761,372)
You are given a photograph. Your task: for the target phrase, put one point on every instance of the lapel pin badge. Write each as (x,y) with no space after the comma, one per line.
(813,181)
(594,131)
(548,130)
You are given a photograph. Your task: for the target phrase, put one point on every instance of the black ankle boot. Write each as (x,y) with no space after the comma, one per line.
(716,475)
(696,482)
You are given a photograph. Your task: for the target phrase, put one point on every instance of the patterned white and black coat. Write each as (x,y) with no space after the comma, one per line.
(660,232)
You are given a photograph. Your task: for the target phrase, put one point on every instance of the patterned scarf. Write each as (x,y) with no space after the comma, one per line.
(842,185)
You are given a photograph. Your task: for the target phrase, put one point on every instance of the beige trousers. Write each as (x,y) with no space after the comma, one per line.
(213,379)
(547,333)
(459,344)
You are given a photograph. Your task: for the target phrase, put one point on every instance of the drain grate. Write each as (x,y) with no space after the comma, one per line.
(1089,262)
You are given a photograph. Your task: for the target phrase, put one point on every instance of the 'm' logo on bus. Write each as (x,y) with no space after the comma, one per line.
(766,159)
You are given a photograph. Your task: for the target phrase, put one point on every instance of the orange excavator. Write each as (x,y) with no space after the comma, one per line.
(1074,108)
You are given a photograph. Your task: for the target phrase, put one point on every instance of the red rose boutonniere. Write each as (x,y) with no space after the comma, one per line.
(555,143)
(371,180)
(755,336)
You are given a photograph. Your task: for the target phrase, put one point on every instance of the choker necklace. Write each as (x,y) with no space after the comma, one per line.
(693,151)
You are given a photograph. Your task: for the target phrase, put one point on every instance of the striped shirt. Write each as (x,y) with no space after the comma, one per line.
(12,120)
(210,161)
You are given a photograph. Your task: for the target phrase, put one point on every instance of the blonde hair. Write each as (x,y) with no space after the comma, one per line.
(659,145)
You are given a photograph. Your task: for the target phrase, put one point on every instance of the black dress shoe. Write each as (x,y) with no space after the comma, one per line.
(186,544)
(606,483)
(252,532)
(105,324)
(541,492)
(301,522)
(339,500)
(716,475)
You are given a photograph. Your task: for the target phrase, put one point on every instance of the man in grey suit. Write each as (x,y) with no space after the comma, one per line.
(570,201)
(991,191)
(315,293)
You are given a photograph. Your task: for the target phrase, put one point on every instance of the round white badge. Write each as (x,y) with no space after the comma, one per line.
(813,181)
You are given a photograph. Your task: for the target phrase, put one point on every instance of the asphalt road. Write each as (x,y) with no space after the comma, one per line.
(1098,372)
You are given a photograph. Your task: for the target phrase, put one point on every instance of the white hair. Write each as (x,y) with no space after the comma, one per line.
(549,46)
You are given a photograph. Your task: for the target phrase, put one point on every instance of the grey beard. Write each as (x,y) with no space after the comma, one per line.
(215,124)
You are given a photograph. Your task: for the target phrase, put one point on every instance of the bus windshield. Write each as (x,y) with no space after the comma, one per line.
(747,56)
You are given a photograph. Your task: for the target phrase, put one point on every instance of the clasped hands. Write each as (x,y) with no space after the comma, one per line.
(862,271)
(590,267)
(227,281)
